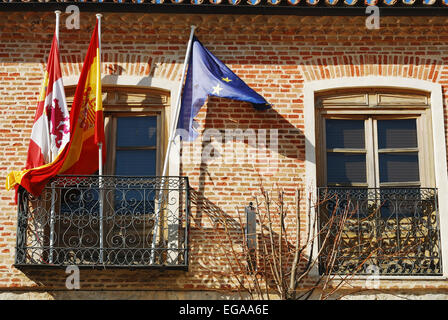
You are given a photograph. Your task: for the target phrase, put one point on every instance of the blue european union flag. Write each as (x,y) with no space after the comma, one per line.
(207,75)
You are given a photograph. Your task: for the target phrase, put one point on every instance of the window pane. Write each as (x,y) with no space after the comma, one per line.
(346,167)
(136,131)
(397,134)
(136,162)
(345,134)
(399,167)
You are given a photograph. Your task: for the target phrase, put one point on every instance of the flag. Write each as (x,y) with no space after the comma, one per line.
(80,154)
(87,102)
(51,128)
(207,75)
(50,133)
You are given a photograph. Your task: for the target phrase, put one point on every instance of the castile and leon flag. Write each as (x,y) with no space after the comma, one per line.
(51,128)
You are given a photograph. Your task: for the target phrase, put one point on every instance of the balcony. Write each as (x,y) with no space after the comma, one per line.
(140,222)
(385,231)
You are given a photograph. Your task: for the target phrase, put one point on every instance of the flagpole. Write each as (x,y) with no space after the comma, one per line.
(174,122)
(175,119)
(58,14)
(100,144)
(53,192)
(100,153)
(56,33)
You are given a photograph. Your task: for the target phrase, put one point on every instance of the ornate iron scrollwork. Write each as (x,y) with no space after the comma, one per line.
(395,230)
(144,222)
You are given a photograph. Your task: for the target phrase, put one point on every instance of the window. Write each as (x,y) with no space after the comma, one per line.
(136,145)
(135,126)
(376,171)
(387,148)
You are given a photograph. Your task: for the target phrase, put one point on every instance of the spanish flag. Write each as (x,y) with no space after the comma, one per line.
(87,108)
(80,154)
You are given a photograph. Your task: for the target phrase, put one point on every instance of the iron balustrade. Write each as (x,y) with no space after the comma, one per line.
(140,222)
(383,231)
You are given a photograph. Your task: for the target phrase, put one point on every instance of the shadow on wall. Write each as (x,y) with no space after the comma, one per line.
(219,250)
(240,179)
(217,224)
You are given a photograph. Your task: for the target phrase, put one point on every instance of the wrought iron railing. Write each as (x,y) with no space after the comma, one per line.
(107,221)
(384,231)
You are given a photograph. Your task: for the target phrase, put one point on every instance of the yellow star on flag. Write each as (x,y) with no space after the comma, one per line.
(226,79)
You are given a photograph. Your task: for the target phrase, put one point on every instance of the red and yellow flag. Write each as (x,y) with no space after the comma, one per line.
(80,155)
(89,128)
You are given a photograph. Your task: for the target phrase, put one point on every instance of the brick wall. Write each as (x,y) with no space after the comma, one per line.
(274,55)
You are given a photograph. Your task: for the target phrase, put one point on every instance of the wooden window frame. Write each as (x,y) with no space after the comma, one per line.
(365,104)
(121,101)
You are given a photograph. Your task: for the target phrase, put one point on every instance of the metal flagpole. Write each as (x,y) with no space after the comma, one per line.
(175,119)
(100,144)
(58,14)
(53,192)
(172,136)
(100,152)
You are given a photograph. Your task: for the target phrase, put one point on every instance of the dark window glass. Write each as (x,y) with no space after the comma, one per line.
(399,167)
(136,131)
(397,134)
(346,168)
(136,142)
(136,162)
(345,134)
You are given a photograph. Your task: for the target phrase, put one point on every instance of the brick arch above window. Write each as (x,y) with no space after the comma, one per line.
(128,95)
(135,81)
(354,65)
(126,65)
